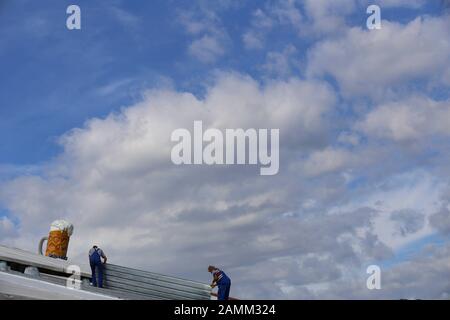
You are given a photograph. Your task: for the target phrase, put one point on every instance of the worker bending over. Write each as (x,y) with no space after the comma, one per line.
(221,280)
(95,260)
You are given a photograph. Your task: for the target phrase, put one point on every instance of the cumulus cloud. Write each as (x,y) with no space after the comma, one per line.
(116,182)
(412,119)
(326,17)
(365,62)
(308,19)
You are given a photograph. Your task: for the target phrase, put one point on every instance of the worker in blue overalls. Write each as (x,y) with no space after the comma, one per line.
(221,280)
(95,260)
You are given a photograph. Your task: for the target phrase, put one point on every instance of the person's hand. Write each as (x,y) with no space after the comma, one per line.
(213,286)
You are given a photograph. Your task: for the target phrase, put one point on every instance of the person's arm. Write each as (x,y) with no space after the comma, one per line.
(214,282)
(104,257)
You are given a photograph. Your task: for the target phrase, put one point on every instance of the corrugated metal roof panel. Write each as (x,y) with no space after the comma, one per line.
(164,287)
(122,282)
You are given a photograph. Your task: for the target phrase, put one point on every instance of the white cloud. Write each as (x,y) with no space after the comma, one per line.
(252,40)
(373,62)
(400,3)
(326,17)
(126,18)
(116,182)
(204,24)
(412,119)
(272,15)
(114,86)
(327,160)
(7,229)
(261,22)
(287,12)
(207,49)
(281,63)
(415,190)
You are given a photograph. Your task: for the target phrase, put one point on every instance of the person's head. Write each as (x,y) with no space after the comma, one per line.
(211,268)
(95,247)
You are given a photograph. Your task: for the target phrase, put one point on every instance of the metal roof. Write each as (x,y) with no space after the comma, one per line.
(14,286)
(33,259)
(120,282)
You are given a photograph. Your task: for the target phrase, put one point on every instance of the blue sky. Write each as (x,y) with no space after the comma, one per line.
(69,98)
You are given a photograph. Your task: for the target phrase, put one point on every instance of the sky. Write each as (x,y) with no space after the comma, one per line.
(364,115)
